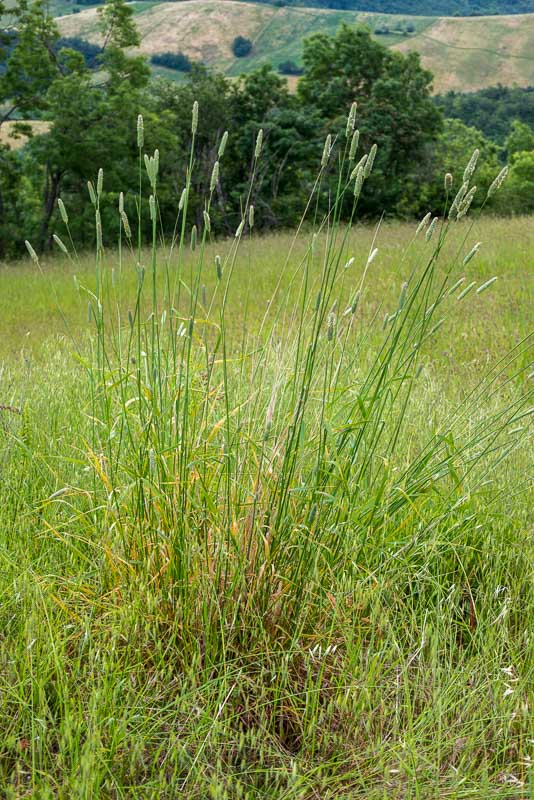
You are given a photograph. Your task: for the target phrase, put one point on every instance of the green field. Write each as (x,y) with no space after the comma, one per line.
(463,53)
(253,543)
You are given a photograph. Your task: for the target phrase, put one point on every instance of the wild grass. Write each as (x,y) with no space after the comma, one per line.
(265,521)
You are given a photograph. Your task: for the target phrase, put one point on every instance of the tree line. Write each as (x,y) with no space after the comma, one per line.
(92,113)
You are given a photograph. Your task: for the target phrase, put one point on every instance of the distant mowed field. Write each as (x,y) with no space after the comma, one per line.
(463,53)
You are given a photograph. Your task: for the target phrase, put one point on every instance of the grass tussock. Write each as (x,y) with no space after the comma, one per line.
(265,533)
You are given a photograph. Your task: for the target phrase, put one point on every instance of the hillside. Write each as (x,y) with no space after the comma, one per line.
(464,54)
(463,8)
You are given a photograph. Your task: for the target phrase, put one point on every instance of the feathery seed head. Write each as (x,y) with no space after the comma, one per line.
(466,290)
(126,225)
(140,132)
(354,145)
(152,206)
(194,118)
(92,194)
(424,222)
(63,211)
(239,230)
(218,267)
(448,182)
(358,183)
(471,166)
(60,244)
(326,150)
(121,202)
(351,120)
(370,161)
(214,176)
(222,146)
(207,221)
(259,144)
(100,182)
(458,199)
(183,197)
(498,182)
(31,251)
(156,163)
(193,237)
(355,301)
(472,253)
(251,217)
(431,229)
(486,285)
(466,203)
(372,255)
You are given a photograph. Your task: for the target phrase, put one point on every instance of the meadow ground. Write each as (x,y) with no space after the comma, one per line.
(262,536)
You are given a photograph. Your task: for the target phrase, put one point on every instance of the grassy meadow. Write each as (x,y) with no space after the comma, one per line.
(265,525)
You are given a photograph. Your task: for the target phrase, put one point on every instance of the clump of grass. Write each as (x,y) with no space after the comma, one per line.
(286,534)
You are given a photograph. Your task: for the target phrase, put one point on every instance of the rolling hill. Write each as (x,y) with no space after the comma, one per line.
(464,53)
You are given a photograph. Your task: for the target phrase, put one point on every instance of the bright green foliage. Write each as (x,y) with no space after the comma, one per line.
(395,109)
(491,110)
(454,149)
(521,138)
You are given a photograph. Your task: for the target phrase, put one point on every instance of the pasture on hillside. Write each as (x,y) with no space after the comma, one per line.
(265,524)
(464,53)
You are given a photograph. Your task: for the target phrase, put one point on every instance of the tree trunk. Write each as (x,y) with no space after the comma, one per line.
(53,180)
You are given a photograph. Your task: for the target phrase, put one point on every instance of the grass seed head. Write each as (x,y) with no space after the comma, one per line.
(60,244)
(358,183)
(207,221)
(472,253)
(239,230)
(370,161)
(455,205)
(140,132)
(466,203)
(218,267)
(498,182)
(194,118)
(431,229)
(486,285)
(31,251)
(121,202)
(259,144)
(251,217)
(351,120)
(354,145)
(63,211)
(193,237)
(92,194)
(222,145)
(448,182)
(152,206)
(100,182)
(126,225)
(182,200)
(471,166)
(214,176)
(424,222)
(326,150)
